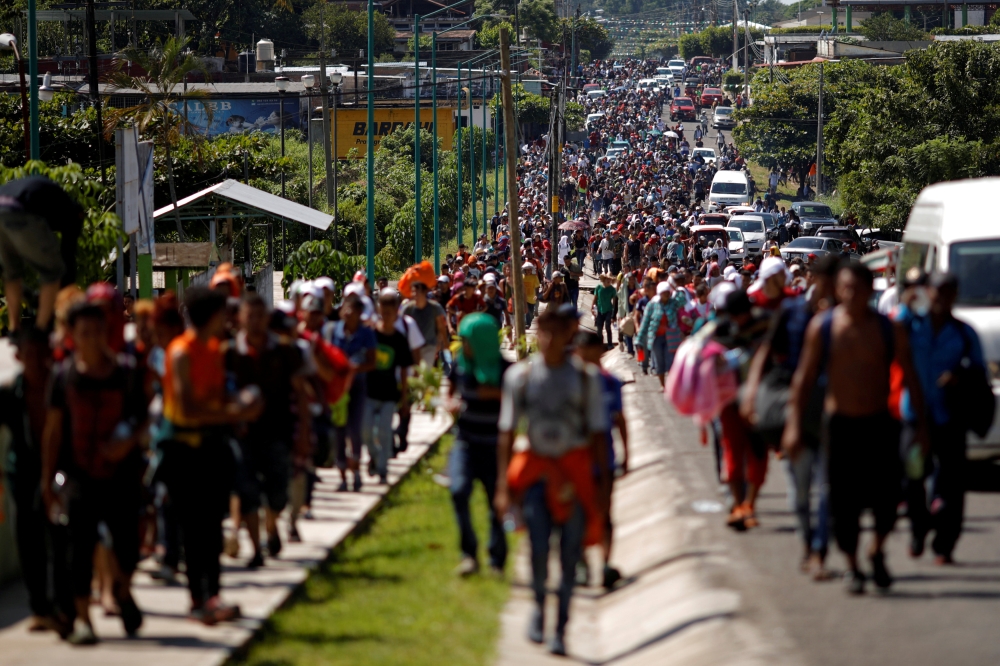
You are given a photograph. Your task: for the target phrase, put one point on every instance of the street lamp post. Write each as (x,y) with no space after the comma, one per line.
(281,82)
(308,82)
(335,80)
(8,42)
(485,192)
(370,190)
(458,153)
(417,240)
(434,151)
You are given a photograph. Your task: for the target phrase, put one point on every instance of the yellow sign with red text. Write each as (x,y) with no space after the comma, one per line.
(352,127)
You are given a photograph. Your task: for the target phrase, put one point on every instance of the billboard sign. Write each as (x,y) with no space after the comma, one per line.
(352,127)
(243,115)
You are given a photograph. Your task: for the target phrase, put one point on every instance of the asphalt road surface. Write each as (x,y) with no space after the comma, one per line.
(933,615)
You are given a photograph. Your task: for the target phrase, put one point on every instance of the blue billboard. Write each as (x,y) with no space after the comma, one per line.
(244,115)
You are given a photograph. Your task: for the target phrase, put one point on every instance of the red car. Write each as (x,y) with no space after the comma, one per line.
(682,108)
(710,96)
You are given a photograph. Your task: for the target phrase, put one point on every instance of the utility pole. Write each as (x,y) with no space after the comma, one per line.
(746,61)
(736,36)
(331,192)
(553,145)
(370,189)
(510,150)
(819,136)
(95,94)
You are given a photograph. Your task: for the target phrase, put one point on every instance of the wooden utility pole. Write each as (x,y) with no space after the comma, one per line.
(510,149)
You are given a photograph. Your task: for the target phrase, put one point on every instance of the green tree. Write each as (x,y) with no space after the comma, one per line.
(592,36)
(539,17)
(346,30)
(166,66)
(885,27)
(779,128)
(896,130)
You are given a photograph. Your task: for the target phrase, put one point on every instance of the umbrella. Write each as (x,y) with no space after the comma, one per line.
(574,225)
(672,135)
(656,133)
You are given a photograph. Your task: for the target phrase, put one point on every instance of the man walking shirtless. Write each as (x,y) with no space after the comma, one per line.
(853,346)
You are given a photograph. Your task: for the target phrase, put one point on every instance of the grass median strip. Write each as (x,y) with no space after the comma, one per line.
(389,595)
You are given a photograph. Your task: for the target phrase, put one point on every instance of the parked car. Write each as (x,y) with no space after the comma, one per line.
(754,231)
(813,215)
(682,108)
(710,96)
(737,246)
(848,235)
(723,118)
(706,154)
(803,246)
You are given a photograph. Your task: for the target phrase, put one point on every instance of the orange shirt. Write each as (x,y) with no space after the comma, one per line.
(207,373)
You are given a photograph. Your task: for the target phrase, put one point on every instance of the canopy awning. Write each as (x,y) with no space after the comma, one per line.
(251,199)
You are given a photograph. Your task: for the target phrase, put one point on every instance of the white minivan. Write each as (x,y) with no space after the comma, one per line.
(953,227)
(730,188)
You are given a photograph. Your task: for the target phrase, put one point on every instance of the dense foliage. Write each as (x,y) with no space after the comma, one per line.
(890,131)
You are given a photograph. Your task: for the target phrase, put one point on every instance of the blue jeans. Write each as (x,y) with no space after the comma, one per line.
(377,432)
(539,521)
(467,463)
(662,359)
(808,470)
(529,314)
(574,295)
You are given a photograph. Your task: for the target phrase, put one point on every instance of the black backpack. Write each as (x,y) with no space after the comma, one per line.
(969,395)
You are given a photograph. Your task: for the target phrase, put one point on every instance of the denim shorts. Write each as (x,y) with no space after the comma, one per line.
(26,239)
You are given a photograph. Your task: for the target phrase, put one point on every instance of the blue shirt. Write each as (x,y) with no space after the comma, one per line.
(355,346)
(934,353)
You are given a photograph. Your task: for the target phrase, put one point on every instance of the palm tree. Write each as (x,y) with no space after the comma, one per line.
(166,66)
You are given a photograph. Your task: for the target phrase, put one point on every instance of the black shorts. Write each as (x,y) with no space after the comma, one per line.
(263,470)
(865,473)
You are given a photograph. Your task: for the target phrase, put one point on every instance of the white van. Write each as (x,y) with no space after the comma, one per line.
(953,227)
(730,188)
(596,94)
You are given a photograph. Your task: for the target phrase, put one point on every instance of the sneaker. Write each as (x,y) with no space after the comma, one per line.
(83,634)
(855,582)
(293,534)
(557,645)
(201,615)
(256,562)
(536,626)
(736,519)
(273,545)
(342,488)
(467,567)
(165,573)
(357,482)
(879,573)
(383,479)
(131,616)
(221,612)
(611,576)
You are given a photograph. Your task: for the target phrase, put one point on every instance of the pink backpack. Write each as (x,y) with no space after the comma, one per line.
(694,385)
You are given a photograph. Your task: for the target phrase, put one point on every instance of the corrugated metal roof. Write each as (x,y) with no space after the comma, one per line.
(258,200)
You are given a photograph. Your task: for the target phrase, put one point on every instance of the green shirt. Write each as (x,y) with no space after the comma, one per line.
(604,297)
